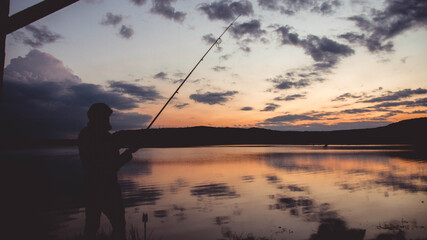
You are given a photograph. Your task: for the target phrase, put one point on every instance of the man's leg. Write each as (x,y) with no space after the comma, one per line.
(115,212)
(93,215)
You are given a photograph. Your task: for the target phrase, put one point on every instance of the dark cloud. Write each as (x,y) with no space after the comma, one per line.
(212,98)
(180,106)
(226,10)
(44,99)
(165,9)
(289,118)
(327,7)
(324,51)
(291,7)
(209,38)
(138,2)
(111,19)
(289,82)
(290,97)
(126,31)
(345,96)
(246,108)
(380,26)
(142,93)
(394,96)
(219,68)
(252,29)
(417,103)
(40,35)
(161,75)
(270,107)
(357,110)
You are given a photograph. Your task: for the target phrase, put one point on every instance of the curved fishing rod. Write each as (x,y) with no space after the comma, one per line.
(182,83)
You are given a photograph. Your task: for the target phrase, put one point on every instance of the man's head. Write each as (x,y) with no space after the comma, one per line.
(99,116)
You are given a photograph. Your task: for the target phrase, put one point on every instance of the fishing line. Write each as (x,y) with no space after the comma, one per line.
(217,42)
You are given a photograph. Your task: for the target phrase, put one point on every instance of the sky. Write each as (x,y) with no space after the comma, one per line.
(284,65)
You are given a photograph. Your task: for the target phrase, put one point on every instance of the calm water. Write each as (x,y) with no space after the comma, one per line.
(279,192)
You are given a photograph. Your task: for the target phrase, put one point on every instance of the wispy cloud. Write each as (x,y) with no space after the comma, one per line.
(381,26)
(394,96)
(226,10)
(291,7)
(138,2)
(324,51)
(164,8)
(270,107)
(111,19)
(290,97)
(142,93)
(40,35)
(126,31)
(161,75)
(220,68)
(247,109)
(181,106)
(212,98)
(295,79)
(345,96)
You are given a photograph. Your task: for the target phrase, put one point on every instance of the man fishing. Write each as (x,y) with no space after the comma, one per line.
(99,153)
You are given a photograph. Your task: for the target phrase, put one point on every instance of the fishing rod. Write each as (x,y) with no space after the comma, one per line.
(182,83)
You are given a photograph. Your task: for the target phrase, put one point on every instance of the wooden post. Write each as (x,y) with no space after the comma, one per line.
(4,15)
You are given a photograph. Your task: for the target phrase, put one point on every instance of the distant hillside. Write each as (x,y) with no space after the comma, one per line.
(413,131)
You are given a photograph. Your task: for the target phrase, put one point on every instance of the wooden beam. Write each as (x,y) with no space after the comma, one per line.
(4,15)
(34,13)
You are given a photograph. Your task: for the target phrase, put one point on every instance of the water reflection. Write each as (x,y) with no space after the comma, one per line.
(279,192)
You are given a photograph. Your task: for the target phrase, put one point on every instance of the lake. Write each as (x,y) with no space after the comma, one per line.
(217,192)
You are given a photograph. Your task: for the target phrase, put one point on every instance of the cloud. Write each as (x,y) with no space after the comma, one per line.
(126,31)
(345,96)
(181,106)
(209,38)
(138,2)
(380,26)
(291,7)
(246,109)
(111,19)
(161,75)
(226,10)
(292,80)
(212,98)
(164,8)
(270,107)
(357,110)
(326,7)
(290,97)
(44,99)
(289,118)
(417,103)
(41,35)
(219,68)
(394,96)
(142,93)
(252,28)
(324,51)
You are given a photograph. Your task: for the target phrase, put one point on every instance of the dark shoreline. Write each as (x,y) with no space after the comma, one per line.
(411,132)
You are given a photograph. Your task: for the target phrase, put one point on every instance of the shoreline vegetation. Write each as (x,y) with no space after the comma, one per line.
(408,132)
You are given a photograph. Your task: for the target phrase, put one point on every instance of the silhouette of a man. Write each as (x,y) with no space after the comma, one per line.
(101,160)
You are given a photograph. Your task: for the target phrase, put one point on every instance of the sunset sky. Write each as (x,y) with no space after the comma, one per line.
(284,65)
